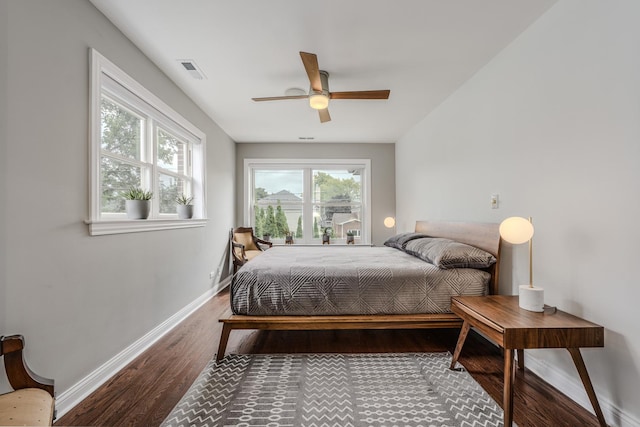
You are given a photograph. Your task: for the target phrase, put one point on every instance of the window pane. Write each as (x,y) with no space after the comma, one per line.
(337,219)
(121,130)
(278,221)
(116,178)
(273,185)
(172,152)
(170,188)
(278,203)
(337,186)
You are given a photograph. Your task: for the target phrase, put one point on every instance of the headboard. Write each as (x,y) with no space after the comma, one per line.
(483,235)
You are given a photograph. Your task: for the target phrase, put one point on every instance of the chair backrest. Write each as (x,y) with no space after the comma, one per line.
(16,369)
(244,236)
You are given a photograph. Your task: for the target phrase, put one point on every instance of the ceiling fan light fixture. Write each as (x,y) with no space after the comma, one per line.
(318,101)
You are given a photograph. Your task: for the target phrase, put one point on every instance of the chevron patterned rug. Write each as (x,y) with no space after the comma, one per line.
(407,389)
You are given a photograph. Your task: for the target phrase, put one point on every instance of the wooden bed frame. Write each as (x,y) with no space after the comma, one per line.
(481,235)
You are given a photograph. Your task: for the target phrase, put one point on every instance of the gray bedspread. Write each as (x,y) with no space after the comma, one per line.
(341,280)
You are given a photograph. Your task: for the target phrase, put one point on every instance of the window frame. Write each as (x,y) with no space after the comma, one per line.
(109,79)
(307,202)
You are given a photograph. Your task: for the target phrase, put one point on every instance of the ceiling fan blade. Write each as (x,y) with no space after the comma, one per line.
(324,115)
(361,94)
(310,61)
(278,98)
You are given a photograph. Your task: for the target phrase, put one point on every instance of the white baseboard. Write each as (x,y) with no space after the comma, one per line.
(69,398)
(573,388)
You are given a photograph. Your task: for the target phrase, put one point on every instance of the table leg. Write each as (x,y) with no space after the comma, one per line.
(586,381)
(461,339)
(224,337)
(509,373)
(520,358)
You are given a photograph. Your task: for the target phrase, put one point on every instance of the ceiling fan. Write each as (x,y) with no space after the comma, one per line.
(319,94)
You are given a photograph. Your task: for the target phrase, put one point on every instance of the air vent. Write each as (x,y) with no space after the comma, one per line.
(192,68)
(189,66)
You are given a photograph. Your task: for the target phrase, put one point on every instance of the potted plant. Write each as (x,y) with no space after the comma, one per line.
(350,238)
(184,207)
(326,236)
(137,203)
(288,239)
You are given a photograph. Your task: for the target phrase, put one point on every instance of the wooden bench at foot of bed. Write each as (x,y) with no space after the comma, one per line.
(317,323)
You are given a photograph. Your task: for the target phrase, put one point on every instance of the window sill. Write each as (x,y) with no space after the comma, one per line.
(320,244)
(101,227)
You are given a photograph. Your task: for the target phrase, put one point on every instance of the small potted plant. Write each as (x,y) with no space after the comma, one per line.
(137,203)
(326,236)
(350,238)
(184,207)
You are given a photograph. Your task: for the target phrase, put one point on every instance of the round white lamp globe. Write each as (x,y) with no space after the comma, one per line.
(389,222)
(516,230)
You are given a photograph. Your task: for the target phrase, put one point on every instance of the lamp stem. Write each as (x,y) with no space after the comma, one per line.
(531,258)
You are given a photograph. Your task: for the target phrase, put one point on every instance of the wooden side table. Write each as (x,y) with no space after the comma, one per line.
(501,319)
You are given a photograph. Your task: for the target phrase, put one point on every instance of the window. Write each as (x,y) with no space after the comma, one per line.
(306,198)
(139,141)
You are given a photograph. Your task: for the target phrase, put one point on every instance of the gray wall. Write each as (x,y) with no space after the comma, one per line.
(80,300)
(382,173)
(552,125)
(3,162)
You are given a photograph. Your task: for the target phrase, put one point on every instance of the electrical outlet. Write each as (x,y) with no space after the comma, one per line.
(494,201)
(212,275)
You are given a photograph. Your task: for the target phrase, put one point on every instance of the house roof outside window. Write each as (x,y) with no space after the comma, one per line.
(283,196)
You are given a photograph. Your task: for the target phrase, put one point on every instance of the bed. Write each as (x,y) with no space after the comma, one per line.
(346,287)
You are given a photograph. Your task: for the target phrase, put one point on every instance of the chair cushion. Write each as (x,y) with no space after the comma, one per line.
(26,407)
(252,254)
(245,239)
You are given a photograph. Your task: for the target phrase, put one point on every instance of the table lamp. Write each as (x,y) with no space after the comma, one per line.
(517,230)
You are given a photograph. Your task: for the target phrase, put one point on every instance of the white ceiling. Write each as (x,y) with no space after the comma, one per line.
(422,50)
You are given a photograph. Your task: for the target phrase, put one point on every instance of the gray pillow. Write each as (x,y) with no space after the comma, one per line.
(399,241)
(445,253)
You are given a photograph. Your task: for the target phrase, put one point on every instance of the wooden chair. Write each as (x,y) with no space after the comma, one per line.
(32,402)
(245,246)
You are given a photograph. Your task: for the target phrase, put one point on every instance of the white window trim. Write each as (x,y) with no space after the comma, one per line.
(250,164)
(100,67)
(100,228)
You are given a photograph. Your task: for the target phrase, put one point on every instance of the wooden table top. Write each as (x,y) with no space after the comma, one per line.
(510,326)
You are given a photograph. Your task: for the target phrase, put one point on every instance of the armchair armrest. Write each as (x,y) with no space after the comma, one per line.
(262,242)
(18,373)
(242,253)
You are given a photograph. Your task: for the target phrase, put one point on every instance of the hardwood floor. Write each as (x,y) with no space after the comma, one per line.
(145,391)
